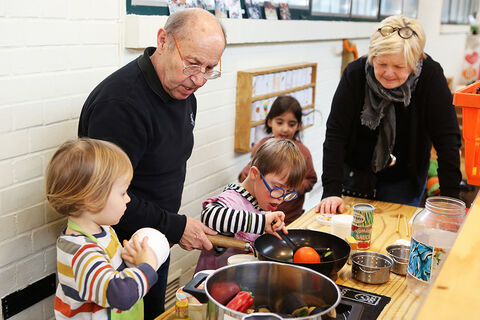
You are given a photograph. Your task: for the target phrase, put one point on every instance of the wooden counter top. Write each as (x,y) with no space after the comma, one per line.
(403,303)
(454,294)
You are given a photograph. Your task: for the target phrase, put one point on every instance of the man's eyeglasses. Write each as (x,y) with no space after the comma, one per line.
(194,69)
(278,192)
(404,32)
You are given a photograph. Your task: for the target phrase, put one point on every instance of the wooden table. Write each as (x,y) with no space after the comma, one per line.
(403,303)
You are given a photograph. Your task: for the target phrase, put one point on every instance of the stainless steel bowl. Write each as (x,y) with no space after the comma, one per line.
(399,254)
(269,283)
(371,267)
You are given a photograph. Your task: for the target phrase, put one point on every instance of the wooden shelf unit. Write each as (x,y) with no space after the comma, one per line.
(245,98)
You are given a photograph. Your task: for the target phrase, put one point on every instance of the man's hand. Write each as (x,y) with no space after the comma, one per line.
(194,235)
(331,205)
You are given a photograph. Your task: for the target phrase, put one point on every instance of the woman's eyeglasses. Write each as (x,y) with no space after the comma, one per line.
(278,192)
(404,32)
(194,69)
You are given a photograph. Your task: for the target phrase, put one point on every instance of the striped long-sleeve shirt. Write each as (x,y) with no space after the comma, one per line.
(93,279)
(234,210)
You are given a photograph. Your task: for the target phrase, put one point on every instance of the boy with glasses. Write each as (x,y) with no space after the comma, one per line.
(249,209)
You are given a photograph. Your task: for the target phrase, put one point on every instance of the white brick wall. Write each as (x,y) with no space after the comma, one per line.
(52,54)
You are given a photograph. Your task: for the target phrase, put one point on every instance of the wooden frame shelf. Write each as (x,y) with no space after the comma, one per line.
(292,79)
(283,92)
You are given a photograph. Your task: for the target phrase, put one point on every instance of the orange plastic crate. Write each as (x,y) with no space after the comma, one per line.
(469,100)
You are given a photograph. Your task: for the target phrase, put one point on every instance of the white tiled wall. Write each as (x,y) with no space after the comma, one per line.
(52,54)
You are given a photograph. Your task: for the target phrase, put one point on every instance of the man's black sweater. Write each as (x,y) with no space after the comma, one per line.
(131,109)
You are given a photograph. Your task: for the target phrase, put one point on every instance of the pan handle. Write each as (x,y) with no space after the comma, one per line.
(191,287)
(229,242)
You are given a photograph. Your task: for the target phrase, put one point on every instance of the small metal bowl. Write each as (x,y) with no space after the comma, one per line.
(399,254)
(371,267)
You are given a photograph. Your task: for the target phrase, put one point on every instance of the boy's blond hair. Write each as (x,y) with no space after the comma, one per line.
(81,174)
(411,48)
(277,155)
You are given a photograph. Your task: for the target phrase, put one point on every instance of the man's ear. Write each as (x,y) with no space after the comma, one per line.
(162,40)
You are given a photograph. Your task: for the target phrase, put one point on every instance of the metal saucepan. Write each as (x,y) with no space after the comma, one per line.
(270,283)
(270,248)
(371,267)
(399,255)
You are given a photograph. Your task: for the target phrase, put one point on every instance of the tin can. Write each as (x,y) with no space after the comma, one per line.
(362,224)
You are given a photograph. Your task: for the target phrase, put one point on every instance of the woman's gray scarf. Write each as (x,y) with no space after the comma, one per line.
(379,104)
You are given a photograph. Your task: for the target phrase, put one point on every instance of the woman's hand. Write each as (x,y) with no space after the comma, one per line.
(274,222)
(139,252)
(331,205)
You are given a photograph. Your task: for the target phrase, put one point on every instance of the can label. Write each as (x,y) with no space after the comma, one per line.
(362,224)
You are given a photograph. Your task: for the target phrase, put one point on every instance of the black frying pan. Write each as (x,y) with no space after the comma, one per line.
(271,248)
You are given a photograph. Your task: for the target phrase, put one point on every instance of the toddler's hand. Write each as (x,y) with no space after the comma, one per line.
(139,252)
(274,222)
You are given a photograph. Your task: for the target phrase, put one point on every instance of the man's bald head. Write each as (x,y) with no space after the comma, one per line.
(193,21)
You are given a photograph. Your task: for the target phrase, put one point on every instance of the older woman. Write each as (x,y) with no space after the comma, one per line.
(389,107)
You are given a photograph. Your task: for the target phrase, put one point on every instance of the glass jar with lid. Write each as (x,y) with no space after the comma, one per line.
(434,231)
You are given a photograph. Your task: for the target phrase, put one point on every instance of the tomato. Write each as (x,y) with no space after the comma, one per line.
(306,255)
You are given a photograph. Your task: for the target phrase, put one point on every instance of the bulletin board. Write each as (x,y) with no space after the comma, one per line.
(258,88)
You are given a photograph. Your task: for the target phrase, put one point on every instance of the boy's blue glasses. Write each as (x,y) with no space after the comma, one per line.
(278,192)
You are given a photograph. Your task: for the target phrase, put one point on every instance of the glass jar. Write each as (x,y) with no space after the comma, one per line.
(434,231)
(181,310)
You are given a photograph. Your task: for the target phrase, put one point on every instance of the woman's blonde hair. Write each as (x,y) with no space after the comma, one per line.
(277,155)
(412,48)
(81,174)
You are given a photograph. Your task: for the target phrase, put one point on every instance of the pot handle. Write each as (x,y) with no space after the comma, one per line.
(192,287)
(229,242)
(366,271)
(399,262)
(262,316)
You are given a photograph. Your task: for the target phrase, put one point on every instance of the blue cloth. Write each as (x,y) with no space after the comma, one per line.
(403,192)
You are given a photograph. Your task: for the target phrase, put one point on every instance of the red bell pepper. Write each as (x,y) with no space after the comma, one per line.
(241,302)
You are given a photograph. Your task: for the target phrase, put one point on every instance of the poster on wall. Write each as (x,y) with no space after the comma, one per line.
(220,9)
(175,5)
(253,10)
(284,11)
(270,11)
(471,60)
(234,9)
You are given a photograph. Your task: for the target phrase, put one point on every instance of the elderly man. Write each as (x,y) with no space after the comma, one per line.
(148,109)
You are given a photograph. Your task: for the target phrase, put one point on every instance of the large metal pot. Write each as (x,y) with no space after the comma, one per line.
(270,283)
